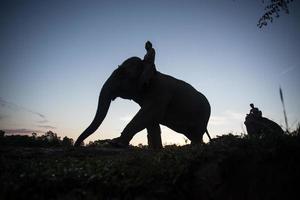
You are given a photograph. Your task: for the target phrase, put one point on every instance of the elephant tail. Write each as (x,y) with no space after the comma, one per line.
(207,133)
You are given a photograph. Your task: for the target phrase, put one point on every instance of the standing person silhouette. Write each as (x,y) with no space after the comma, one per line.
(149,65)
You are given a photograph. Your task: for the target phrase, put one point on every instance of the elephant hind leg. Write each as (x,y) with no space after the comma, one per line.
(154,136)
(196,140)
(196,135)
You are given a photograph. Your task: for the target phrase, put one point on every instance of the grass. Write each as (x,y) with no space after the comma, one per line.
(229,167)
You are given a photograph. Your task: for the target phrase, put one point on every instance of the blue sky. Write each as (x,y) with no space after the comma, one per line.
(56,55)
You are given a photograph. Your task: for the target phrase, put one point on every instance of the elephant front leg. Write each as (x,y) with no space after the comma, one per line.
(154,136)
(145,118)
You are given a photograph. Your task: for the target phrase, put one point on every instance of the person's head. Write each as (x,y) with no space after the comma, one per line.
(251,105)
(148,45)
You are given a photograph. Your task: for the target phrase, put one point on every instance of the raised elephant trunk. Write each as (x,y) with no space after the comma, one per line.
(105,98)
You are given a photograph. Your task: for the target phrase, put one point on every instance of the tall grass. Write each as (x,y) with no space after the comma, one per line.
(284,110)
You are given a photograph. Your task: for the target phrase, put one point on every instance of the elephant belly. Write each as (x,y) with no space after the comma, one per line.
(187,115)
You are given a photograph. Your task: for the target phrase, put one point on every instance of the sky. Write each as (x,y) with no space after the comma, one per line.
(56,55)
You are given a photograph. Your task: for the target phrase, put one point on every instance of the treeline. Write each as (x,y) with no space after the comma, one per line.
(49,139)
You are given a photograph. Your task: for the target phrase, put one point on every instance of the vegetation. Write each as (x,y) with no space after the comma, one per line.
(49,139)
(229,167)
(272,9)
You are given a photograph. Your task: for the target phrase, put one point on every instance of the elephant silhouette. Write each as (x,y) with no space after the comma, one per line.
(261,126)
(163,100)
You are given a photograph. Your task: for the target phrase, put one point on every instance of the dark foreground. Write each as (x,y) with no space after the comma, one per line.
(228,168)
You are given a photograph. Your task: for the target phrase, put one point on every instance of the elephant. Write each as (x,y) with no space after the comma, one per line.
(163,100)
(261,126)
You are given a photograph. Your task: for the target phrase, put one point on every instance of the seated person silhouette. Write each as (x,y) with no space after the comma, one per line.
(255,112)
(150,55)
(149,66)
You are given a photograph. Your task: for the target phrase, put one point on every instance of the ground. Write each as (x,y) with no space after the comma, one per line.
(229,167)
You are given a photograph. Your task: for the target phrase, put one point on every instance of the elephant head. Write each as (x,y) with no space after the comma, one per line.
(124,82)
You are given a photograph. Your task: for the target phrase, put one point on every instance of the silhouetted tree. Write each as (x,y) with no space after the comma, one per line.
(2,133)
(52,138)
(33,135)
(67,141)
(272,9)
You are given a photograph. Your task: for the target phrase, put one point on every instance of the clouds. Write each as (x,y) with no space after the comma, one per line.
(287,70)
(234,115)
(229,121)
(27,131)
(218,120)
(47,127)
(16,107)
(22,131)
(227,117)
(42,119)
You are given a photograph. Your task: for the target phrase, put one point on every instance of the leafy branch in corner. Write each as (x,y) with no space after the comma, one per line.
(272,10)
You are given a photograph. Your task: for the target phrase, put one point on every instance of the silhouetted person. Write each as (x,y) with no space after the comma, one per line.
(150,55)
(149,65)
(255,111)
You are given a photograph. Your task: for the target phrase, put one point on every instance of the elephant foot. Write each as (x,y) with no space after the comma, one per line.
(117,142)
